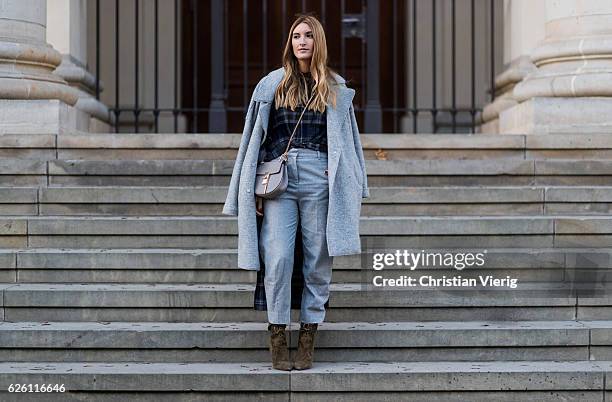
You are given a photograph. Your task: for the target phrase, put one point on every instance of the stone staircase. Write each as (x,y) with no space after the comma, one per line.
(118,273)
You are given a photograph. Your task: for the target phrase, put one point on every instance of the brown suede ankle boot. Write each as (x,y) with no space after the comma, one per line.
(278,347)
(303,358)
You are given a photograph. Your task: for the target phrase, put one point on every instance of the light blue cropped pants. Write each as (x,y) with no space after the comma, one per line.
(306,195)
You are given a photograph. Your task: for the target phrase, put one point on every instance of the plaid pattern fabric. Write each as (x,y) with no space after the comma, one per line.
(297,278)
(311,133)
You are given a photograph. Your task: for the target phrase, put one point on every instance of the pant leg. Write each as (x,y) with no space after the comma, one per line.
(313,202)
(277,244)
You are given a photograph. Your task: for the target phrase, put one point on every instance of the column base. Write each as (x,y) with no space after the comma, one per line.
(490,127)
(41,117)
(99,126)
(558,115)
(84,83)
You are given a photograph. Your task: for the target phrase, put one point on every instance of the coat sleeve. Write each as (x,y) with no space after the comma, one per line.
(359,151)
(231,202)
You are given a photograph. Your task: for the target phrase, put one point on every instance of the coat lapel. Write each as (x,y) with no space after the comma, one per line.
(264,114)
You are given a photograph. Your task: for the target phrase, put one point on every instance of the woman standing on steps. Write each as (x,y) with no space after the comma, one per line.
(323,194)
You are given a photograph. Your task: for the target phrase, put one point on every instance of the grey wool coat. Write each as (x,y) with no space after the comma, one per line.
(346,173)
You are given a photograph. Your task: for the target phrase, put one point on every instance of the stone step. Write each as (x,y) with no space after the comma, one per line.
(348,302)
(225,146)
(335,342)
(413,172)
(15,200)
(28,146)
(219,265)
(23,172)
(208,200)
(350,381)
(221,232)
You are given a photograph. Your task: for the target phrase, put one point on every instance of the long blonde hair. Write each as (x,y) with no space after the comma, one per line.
(292,90)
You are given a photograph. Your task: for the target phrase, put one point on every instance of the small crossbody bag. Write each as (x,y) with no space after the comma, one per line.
(271,177)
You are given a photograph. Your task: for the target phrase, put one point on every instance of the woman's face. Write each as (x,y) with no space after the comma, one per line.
(302,41)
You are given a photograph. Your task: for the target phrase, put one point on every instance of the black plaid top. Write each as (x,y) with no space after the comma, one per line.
(311,133)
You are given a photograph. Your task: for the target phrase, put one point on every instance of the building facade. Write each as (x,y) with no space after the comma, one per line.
(190,66)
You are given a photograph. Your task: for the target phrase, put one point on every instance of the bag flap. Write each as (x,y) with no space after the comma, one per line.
(272,167)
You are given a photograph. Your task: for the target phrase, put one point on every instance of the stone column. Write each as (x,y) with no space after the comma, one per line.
(523,30)
(67,32)
(571,89)
(27,82)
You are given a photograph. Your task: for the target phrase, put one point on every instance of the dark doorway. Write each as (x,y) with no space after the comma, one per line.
(255,35)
